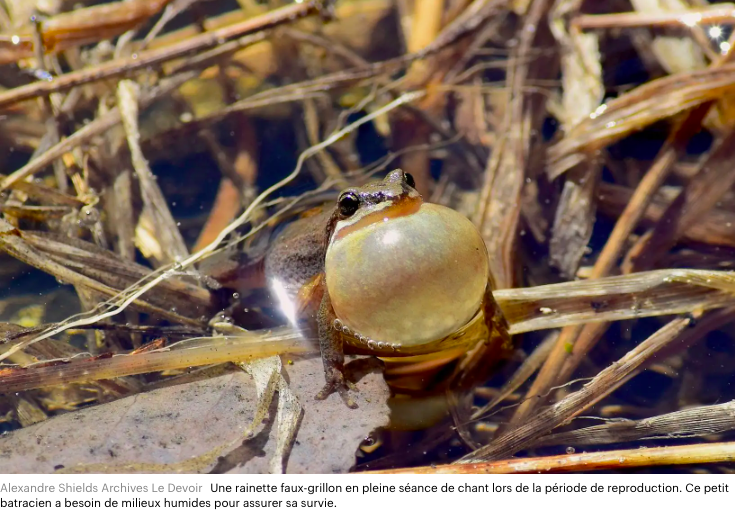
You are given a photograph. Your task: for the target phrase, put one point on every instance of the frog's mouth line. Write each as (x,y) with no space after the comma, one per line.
(382,211)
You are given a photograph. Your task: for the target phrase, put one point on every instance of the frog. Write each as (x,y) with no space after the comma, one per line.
(381,273)
(394,275)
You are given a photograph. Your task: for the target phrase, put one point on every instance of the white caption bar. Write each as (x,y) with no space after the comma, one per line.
(565,496)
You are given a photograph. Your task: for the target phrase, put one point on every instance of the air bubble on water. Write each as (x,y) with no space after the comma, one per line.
(570,450)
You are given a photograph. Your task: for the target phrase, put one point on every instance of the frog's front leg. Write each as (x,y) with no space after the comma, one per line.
(333,357)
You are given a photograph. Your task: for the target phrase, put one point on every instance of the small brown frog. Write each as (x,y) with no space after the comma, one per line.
(395,275)
(384,274)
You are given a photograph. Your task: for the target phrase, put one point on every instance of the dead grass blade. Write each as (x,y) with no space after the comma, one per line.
(658,292)
(632,111)
(686,423)
(616,459)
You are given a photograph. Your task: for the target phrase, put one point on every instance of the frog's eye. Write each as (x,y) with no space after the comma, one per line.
(408,178)
(348,204)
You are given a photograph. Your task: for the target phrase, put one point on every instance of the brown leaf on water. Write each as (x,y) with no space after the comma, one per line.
(166,429)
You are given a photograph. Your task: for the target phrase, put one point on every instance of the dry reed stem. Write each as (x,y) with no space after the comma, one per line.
(195,352)
(686,423)
(715,14)
(634,110)
(616,459)
(75,28)
(154,203)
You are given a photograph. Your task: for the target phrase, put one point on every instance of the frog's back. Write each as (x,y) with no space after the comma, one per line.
(297,253)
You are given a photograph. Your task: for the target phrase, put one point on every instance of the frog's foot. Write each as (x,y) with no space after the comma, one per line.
(336,382)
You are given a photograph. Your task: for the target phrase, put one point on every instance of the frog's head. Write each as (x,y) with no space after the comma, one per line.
(379,200)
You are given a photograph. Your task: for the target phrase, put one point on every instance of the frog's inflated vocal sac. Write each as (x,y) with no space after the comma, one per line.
(398,273)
